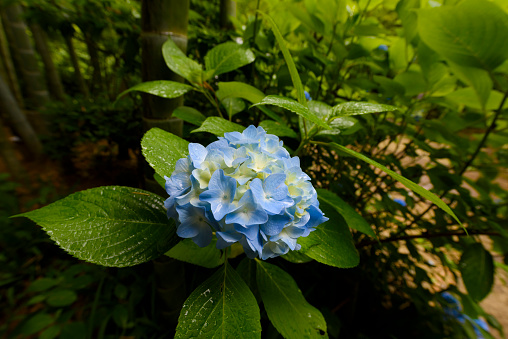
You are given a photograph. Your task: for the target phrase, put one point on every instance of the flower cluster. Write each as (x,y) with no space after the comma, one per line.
(246,188)
(453,310)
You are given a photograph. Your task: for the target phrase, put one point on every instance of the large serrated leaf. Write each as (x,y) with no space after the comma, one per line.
(221,307)
(331,243)
(295,77)
(162,150)
(227,57)
(286,306)
(186,250)
(471,34)
(477,269)
(356,108)
(352,218)
(293,106)
(110,226)
(161,88)
(218,126)
(179,63)
(406,182)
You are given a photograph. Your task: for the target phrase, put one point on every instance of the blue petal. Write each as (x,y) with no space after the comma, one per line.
(275,224)
(194,224)
(225,239)
(220,194)
(197,153)
(248,212)
(251,232)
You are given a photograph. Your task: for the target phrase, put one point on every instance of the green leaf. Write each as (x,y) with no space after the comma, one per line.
(227,57)
(162,150)
(478,79)
(161,88)
(231,104)
(356,108)
(110,226)
(179,63)
(273,127)
(221,307)
(471,34)
(189,114)
(160,180)
(252,94)
(293,106)
(186,250)
(339,125)
(469,96)
(331,243)
(286,306)
(352,218)
(406,182)
(296,257)
(236,89)
(477,268)
(218,126)
(295,77)
(61,298)
(42,284)
(50,332)
(35,324)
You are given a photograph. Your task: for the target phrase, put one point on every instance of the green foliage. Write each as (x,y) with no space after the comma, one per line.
(293,106)
(286,306)
(331,243)
(227,57)
(434,74)
(162,150)
(221,307)
(470,34)
(408,183)
(218,126)
(110,226)
(162,88)
(477,269)
(351,217)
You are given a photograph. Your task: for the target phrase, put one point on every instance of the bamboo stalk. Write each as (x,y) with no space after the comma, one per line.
(6,58)
(9,106)
(78,77)
(52,76)
(25,56)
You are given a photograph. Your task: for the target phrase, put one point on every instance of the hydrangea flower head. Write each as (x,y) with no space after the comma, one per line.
(245,188)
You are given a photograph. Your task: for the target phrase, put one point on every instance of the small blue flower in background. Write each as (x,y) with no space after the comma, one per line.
(383,48)
(401,202)
(246,189)
(454,310)
(307,96)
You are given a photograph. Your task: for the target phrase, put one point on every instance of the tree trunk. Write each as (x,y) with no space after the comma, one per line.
(18,120)
(10,72)
(25,56)
(78,77)
(94,60)
(9,155)
(160,20)
(52,76)
(227,11)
